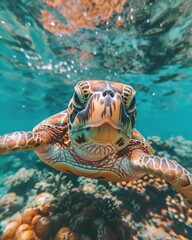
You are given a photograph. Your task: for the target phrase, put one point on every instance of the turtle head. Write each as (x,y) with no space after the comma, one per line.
(101,117)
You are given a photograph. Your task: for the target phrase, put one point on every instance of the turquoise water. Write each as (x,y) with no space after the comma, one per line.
(151,50)
(46,47)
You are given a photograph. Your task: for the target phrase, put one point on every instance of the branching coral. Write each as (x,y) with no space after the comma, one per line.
(53,183)
(22,180)
(97,188)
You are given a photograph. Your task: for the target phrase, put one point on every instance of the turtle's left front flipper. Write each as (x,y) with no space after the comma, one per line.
(167,169)
(18,141)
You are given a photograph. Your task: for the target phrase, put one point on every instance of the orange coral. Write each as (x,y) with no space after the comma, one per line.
(141,184)
(70,217)
(38,227)
(65,233)
(32,224)
(43,228)
(24,231)
(9,232)
(28,215)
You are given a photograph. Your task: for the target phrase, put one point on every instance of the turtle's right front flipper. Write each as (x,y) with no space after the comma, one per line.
(18,141)
(51,130)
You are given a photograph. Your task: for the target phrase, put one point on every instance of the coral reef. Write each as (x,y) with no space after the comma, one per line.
(23,179)
(53,183)
(176,148)
(141,185)
(9,204)
(55,206)
(78,215)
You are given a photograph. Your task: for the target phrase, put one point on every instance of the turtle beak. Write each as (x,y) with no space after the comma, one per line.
(104,110)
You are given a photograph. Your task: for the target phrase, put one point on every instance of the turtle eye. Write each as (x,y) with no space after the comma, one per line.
(131,105)
(129,98)
(78,100)
(81,94)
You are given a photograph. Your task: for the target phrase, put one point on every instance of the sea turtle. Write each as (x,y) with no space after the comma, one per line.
(95,137)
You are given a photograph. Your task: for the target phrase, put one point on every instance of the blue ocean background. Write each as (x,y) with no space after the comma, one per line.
(46,47)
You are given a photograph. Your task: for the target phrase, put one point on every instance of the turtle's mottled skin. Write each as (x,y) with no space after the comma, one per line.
(95,137)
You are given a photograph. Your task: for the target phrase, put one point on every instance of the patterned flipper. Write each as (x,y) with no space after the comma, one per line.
(169,170)
(52,129)
(17,141)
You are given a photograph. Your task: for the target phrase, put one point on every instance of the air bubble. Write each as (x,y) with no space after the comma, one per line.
(52,24)
(119,18)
